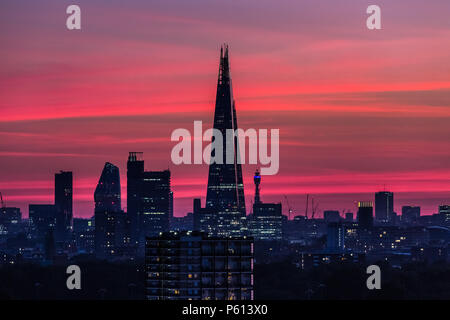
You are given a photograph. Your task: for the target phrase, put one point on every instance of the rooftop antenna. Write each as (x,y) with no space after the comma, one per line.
(307,203)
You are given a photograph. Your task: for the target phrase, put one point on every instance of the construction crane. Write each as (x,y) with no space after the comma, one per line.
(1,201)
(289,207)
(314,208)
(307,203)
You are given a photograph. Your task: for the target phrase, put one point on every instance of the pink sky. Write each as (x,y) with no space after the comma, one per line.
(357,110)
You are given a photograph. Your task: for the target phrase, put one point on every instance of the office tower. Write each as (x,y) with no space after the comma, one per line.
(265,223)
(365,215)
(191,265)
(384,205)
(349,217)
(197,211)
(110,220)
(63,204)
(394,219)
(444,212)
(43,218)
(257,180)
(331,216)
(135,170)
(10,219)
(410,214)
(225,192)
(156,202)
(335,237)
(171,205)
(150,199)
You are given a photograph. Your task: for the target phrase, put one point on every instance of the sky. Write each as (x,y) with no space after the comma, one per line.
(358,110)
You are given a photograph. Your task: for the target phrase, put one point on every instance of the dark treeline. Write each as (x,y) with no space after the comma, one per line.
(284,281)
(99,280)
(281,280)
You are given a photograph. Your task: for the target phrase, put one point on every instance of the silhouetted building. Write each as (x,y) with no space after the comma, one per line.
(225,192)
(10,219)
(365,215)
(43,218)
(191,265)
(394,219)
(135,170)
(331,216)
(156,202)
(63,204)
(444,212)
(257,180)
(185,223)
(384,205)
(150,199)
(84,234)
(197,211)
(410,214)
(111,234)
(335,237)
(265,223)
(349,217)
(49,245)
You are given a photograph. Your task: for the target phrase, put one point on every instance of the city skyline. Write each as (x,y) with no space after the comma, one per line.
(355,113)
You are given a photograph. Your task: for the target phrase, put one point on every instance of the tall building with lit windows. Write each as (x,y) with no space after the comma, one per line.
(149,200)
(111,232)
(193,266)
(225,191)
(265,222)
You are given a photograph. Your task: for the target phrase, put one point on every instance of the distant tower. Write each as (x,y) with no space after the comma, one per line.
(257,180)
(109,219)
(63,204)
(107,192)
(384,205)
(135,170)
(225,192)
(365,215)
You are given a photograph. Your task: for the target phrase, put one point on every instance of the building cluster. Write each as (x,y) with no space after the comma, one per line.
(210,252)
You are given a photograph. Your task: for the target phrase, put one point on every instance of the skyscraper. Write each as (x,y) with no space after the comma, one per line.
(225,193)
(384,205)
(135,169)
(110,220)
(155,203)
(63,204)
(257,180)
(150,200)
(335,237)
(365,215)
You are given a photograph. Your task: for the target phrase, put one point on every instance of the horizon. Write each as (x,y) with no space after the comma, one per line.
(357,114)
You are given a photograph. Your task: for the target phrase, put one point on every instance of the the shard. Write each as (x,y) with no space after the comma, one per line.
(225,193)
